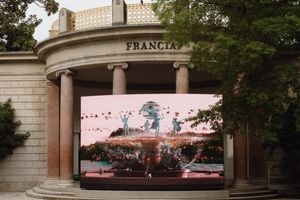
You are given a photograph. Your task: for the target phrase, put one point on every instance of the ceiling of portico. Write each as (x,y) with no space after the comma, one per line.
(142,73)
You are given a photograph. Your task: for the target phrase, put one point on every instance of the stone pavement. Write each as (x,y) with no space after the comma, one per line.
(14,196)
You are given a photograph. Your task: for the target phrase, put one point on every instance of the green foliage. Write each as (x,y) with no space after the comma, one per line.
(289,141)
(118,132)
(9,139)
(251,47)
(16,30)
(189,150)
(170,161)
(212,151)
(92,151)
(212,117)
(106,152)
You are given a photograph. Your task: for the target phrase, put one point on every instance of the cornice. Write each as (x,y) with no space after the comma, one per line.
(18,56)
(45,47)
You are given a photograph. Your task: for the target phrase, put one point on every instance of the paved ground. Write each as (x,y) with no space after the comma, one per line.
(22,196)
(13,196)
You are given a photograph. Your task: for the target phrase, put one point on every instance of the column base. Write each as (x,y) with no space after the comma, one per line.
(51,181)
(228,183)
(241,184)
(258,181)
(66,183)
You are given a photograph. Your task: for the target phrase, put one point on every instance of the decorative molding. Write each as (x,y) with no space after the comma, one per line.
(141,14)
(51,82)
(62,12)
(117,34)
(21,77)
(18,56)
(112,65)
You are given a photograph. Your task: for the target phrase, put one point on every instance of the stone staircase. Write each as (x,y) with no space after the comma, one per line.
(57,193)
(253,193)
(54,193)
(50,192)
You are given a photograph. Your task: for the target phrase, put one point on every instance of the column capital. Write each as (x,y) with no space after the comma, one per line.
(48,82)
(66,72)
(111,66)
(178,64)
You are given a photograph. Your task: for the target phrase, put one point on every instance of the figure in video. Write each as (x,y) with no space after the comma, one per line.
(146,126)
(124,119)
(176,125)
(151,110)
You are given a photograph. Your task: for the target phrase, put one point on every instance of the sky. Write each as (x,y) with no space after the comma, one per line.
(100,115)
(41,32)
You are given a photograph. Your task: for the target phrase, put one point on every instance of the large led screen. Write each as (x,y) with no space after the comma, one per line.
(147,138)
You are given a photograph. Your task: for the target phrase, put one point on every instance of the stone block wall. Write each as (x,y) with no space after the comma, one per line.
(22,80)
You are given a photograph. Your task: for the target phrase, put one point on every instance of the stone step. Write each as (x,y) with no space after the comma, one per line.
(254,194)
(55,187)
(251,193)
(156,195)
(40,190)
(249,188)
(132,195)
(33,194)
(267,196)
(42,193)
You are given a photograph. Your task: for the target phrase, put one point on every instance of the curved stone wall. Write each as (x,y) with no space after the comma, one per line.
(100,47)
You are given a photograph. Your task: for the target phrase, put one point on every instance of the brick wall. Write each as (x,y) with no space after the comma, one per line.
(24,83)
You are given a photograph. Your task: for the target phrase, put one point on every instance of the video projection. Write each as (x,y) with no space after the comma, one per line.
(144,141)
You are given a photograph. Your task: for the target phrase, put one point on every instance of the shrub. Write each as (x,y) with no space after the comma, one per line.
(9,138)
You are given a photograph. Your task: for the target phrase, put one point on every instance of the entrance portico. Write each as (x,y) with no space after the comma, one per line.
(156,71)
(112,60)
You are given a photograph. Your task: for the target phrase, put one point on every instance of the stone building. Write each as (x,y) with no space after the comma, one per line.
(101,51)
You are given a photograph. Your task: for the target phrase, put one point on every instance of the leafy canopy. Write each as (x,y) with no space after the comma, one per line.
(16,30)
(252,47)
(9,139)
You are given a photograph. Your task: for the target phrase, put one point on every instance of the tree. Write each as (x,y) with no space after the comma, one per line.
(252,47)
(16,30)
(9,139)
(289,141)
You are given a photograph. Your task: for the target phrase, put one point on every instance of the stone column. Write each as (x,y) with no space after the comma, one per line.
(228,160)
(182,77)
(53,132)
(119,77)
(240,160)
(66,128)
